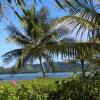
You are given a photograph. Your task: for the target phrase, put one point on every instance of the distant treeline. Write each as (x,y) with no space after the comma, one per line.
(59,67)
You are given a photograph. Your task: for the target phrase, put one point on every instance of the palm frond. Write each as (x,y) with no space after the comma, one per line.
(17,36)
(77,5)
(11,55)
(74,49)
(43,15)
(18,2)
(37,1)
(1,11)
(84,16)
(74,22)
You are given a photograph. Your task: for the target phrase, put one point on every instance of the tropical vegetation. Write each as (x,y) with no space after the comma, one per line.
(27,90)
(42,37)
(74,50)
(77,87)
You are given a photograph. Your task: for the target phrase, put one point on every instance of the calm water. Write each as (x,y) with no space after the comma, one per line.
(31,76)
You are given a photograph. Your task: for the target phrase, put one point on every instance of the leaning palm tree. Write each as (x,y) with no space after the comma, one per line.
(37,41)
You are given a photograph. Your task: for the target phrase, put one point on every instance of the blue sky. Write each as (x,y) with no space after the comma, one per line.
(4,45)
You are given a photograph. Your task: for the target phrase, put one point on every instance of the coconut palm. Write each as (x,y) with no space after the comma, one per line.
(37,41)
(82,51)
(83,18)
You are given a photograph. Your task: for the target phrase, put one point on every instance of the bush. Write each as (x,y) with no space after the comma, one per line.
(27,90)
(78,88)
(75,88)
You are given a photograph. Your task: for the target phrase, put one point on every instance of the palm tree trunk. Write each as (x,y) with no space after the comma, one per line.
(82,65)
(42,67)
(49,67)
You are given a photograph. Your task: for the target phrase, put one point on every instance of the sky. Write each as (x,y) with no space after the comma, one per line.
(4,45)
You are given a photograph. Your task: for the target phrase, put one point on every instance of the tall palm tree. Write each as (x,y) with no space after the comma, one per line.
(37,41)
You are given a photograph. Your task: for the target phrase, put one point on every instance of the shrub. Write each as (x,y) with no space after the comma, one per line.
(75,88)
(8,92)
(78,88)
(27,90)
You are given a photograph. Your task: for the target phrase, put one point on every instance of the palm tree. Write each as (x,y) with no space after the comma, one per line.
(83,18)
(82,51)
(37,41)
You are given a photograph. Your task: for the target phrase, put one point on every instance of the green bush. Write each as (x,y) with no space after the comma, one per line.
(27,90)
(75,88)
(78,88)
(8,92)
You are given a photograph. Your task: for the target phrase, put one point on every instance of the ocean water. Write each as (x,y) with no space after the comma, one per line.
(31,76)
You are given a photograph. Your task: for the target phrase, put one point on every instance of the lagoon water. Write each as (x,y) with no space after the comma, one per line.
(31,76)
